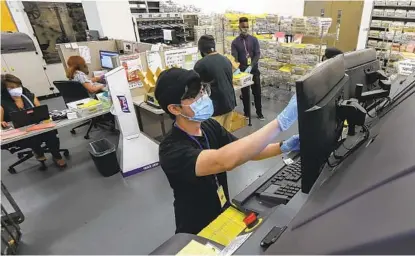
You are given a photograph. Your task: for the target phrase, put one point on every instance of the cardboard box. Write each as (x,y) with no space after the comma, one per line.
(238,121)
(242,79)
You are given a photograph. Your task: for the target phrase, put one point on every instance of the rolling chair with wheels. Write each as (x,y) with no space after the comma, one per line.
(26,155)
(72,91)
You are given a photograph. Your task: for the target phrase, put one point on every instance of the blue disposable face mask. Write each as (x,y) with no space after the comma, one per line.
(203,109)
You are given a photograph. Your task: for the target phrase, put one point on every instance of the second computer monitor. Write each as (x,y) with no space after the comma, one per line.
(356,64)
(318,95)
(106,58)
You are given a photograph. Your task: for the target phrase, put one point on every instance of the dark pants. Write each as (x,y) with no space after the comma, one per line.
(35,143)
(256,91)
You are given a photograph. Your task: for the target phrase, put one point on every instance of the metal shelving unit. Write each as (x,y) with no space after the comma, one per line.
(394,18)
(385,53)
(150,26)
(11,218)
(149,6)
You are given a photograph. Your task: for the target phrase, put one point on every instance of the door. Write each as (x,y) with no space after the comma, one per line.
(346,17)
(28,66)
(319,9)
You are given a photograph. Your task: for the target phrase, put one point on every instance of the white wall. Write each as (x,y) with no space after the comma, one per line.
(53,71)
(286,7)
(92,16)
(364,24)
(110,18)
(21,20)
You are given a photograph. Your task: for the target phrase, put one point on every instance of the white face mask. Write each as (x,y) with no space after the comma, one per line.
(16,92)
(244,31)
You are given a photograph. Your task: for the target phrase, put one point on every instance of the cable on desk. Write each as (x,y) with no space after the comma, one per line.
(352,149)
(397,104)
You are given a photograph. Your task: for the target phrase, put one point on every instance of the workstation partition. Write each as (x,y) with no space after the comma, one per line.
(122,98)
(93,50)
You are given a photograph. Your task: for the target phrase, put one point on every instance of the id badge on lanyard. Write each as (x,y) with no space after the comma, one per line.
(248,58)
(219,191)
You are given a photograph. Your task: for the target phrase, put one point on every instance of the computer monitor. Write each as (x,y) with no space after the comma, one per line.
(29,116)
(106,59)
(320,126)
(357,64)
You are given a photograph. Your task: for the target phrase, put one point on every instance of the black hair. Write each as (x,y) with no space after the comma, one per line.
(332,52)
(243,19)
(206,44)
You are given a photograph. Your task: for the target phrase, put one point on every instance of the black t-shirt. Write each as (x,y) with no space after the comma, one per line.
(196,201)
(217,69)
(9,105)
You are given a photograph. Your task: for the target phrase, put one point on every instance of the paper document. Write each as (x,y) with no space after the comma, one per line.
(406,67)
(128,47)
(68,46)
(182,58)
(154,61)
(167,34)
(155,47)
(234,245)
(225,228)
(74,45)
(196,248)
(85,53)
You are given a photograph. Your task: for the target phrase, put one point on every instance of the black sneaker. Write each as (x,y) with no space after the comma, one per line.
(261,117)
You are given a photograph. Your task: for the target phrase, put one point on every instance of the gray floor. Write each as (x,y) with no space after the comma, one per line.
(77,211)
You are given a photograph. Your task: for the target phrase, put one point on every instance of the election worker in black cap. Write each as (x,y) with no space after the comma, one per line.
(331,52)
(216,70)
(197,152)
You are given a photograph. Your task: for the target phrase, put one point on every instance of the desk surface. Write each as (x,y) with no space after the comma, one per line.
(139,102)
(59,124)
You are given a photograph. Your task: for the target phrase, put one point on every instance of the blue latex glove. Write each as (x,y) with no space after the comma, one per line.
(237,71)
(248,69)
(292,144)
(288,116)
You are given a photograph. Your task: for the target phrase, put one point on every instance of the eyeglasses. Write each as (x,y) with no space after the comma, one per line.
(194,94)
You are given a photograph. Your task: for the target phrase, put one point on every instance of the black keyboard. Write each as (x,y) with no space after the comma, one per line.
(283,185)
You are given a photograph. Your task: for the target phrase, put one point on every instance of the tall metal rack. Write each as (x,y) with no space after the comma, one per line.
(385,55)
(11,218)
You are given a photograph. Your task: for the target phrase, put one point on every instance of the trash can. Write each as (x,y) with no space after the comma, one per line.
(104,156)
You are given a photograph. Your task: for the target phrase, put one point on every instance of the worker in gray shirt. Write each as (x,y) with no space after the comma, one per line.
(245,50)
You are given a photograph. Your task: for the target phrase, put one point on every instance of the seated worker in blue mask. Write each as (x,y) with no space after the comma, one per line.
(197,152)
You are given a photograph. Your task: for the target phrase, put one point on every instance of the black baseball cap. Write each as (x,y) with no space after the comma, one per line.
(332,52)
(175,85)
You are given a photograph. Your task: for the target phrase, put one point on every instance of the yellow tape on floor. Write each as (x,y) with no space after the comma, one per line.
(225,227)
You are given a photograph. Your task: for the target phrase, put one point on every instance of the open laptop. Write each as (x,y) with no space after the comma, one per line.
(29,116)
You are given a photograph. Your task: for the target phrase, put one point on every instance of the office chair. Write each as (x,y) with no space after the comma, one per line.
(26,155)
(72,91)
